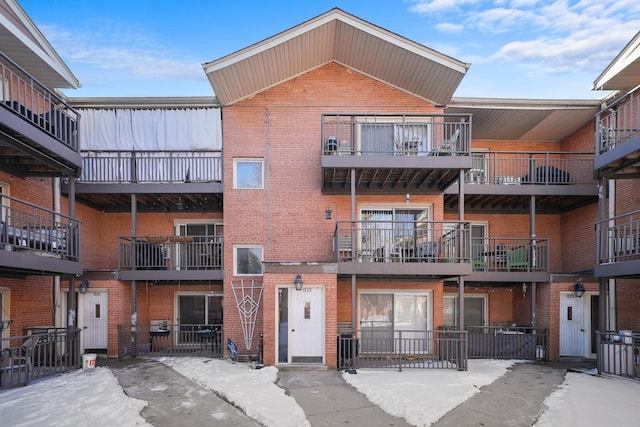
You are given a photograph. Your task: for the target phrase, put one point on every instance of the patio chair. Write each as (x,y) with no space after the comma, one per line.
(517,259)
(479,264)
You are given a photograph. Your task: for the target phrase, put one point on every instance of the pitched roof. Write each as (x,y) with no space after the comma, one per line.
(343,38)
(623,73)
(23,43)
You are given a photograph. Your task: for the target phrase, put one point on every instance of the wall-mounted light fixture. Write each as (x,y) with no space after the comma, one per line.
(328,213)
(180,204)
(578,289)
(84,286)
(298,283)
(524,290)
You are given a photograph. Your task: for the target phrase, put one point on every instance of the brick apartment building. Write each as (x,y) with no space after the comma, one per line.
(342,190)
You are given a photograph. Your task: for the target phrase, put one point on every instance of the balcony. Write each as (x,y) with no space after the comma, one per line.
(37,240)
(38,129)
(162,180)
(504,181)
(394,154)
(386,247)
(506,259)
(618,246)
(618,139)
(170,258)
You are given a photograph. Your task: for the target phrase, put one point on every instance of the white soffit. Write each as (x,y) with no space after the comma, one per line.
(343,38)
(525,119)
(23,43)
(624,71)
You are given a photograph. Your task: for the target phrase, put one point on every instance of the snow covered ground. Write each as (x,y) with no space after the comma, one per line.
(94,397)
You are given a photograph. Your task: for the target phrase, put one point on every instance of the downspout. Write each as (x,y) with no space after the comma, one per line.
(532,257)
(57,316)
(611,300)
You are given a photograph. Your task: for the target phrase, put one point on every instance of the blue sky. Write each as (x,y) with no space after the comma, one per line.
(517,48)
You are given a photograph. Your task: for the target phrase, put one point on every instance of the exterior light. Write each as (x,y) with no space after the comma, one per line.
(298,283)
(84,286)
(578,289)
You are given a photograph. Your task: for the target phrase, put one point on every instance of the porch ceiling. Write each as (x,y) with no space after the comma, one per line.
(388,181)
(343,38)
(525,120)
(121,202)
(517,203)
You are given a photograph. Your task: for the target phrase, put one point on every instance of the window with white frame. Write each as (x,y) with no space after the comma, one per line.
(4,202)
(248,174)
(248,260)
(475,310)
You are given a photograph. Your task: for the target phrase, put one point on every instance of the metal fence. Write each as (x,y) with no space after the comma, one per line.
(516,342)
(382,347)
(170,340)
(39,355)
(619,353)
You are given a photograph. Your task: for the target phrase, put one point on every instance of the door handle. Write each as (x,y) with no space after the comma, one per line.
(293,330)
(581,330)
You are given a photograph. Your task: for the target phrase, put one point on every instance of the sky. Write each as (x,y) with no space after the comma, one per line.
(94,397)
(539,49)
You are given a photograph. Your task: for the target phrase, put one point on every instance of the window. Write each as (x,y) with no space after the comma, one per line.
(248,174)
(395,137)
(474,310)
(382,313)
(4,202)
(204,249)
(248,260)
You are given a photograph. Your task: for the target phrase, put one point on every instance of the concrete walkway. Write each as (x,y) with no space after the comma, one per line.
(173,399)
(327,400)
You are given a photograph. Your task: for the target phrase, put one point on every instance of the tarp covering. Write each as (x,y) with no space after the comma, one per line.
(151,129)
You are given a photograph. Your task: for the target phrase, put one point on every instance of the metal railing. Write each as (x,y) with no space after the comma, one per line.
(170,340)
(539,168)
(31,100)
(110,166)
(384,347)
(618,123)
(39,355)
(515,342)
(396,134)
(619,353)
(26,226)
(509,254)
(618,238)
(402,241)
(170,253)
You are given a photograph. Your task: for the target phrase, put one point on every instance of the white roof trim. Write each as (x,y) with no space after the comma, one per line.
(44,51)
(336,14)
(626,57)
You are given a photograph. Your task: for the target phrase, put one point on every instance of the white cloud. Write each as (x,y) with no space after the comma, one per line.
(424,7)
(448,27)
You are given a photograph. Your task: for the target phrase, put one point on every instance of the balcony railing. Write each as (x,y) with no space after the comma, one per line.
(539,168)
(151,166)
(496,342)
(618,124)
(619,353)
(170,340)
(402,241)
(33,102)
(49,352)
(26,226)
(378,346)
(396,135)
(509,254)
(170,253)
(618,238)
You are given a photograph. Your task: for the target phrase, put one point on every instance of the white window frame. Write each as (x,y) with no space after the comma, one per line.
(5,309)
(236,183)
(5,190)
(235,259)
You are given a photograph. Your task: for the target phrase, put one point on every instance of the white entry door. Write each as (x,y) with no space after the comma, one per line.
(306,333)
(572,325)
(95,320)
